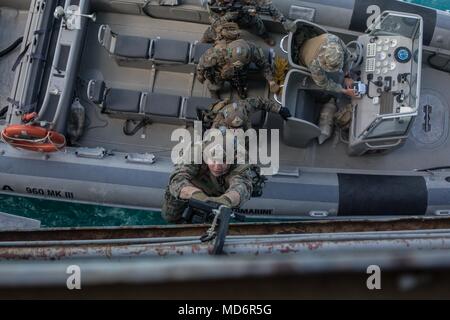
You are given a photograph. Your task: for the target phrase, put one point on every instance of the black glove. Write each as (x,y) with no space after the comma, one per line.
(285,113)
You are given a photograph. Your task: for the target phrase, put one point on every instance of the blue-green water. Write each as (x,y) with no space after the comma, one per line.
(437,4)
(63,214)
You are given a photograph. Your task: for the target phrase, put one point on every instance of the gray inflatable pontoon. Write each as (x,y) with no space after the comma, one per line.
(131,62)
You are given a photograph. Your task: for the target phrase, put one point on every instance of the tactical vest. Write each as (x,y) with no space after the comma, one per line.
(216,186)
(224,113)
(311,48)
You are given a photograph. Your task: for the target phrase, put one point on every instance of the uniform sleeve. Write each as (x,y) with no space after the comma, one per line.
(207,64)
(321,79)
(229,17)
(240,181)
(259,103)
(261,61)
(182,177)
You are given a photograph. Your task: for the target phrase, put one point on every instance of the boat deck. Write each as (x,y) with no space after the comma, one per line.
(12,26)
(107,132)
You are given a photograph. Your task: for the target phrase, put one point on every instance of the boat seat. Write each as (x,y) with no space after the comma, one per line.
(158,107)
(124,46)
(132,47)
(303,26)
(306,107)
(302,128)
(163,108)
(143,52)
(198,50)
(171,51)
(122,101)
(192,104)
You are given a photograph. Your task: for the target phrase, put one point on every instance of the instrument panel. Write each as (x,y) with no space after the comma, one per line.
(386,72)
(384,54)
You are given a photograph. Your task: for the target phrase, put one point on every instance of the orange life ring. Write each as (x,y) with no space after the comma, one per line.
(33,138)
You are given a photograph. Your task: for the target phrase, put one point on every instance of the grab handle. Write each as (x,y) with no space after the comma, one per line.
(282,42)
(386,146)
(101,34)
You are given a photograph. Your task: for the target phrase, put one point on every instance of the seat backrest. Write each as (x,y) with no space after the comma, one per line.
(302,128)
(306,108)
(132,47)
(122,101)
(305,30)
(299,133)
(163,108)
(171,51)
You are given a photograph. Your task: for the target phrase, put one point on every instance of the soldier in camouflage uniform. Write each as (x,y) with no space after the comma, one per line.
(229,185)
(230,62)
(236,115)
(324,55)
(221,29)
(249,18)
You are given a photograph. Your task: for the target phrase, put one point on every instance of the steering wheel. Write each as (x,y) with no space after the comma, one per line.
(356,53)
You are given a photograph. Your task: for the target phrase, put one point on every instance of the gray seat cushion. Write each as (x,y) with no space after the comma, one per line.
(120,100)
(194,103)
(306,107)
(132,47)
(171,50)
(199,50)
(162,105)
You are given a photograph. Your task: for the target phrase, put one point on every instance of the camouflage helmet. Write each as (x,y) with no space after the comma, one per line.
(331,57)
(239,52)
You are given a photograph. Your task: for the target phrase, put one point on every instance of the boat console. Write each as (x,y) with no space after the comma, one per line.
(386,67)
(388,85)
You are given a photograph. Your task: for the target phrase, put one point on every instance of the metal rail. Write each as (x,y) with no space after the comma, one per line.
(170,231)
(234,245)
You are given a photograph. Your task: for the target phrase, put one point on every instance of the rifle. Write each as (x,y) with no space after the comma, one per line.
(241,8)
(239,80)
(219,216)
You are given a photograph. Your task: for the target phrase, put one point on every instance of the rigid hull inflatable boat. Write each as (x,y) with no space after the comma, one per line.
(123,63)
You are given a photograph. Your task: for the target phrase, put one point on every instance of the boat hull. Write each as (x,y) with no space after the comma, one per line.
(304,193)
